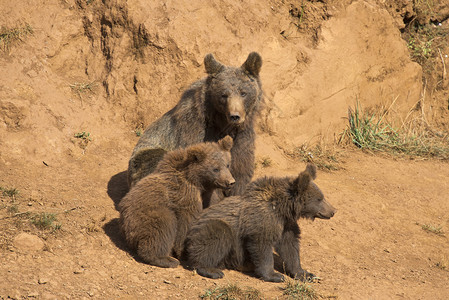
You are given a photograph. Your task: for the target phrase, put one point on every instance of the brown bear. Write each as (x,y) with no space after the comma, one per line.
(157,212)
(247,228)
(224,103)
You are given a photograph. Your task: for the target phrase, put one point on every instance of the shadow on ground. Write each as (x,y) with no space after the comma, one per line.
(118,187)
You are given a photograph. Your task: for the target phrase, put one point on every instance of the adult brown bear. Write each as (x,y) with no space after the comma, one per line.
(248,228)
(157,212)
(224,103)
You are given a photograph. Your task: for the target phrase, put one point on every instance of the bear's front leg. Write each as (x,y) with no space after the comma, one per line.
(262,257)
(288,250)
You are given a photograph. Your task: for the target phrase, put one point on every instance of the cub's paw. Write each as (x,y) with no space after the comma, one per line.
(213,273)
(304,276)
(273,277)
(165,262)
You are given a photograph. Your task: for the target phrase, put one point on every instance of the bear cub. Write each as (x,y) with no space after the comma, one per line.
(157,212)
(246,229)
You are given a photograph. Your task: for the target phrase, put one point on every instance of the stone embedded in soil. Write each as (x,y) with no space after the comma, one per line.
(28,242)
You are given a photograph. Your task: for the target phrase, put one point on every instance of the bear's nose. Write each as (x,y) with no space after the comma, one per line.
(231,183)
(234,118)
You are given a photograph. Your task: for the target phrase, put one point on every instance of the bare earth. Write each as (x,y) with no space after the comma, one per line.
(139,57)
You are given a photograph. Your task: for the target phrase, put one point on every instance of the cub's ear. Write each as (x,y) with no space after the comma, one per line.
(311,168)
(195,155)
(226,143)
(253,64)
(301,183)
(212,66)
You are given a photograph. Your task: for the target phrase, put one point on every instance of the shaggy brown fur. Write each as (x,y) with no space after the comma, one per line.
(157,212)
(247,228)
(223,103)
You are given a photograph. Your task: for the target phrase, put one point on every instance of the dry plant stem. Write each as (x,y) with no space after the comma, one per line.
(444,65)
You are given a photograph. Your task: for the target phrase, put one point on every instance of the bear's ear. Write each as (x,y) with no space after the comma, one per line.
(253,64)
(301,183)
(226,143)
(195,155)
(311,168)
(212,66)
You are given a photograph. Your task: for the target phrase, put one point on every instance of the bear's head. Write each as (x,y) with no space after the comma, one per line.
(209,163)
(313,204)
(233,94)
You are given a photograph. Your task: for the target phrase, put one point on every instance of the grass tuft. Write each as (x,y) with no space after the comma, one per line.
(10,35)
(12,192)
(83,135)
(325,157)
(83,87)
(266,162)
(433,229)
(45,221)
(232,292)
(295,289)
(371,131)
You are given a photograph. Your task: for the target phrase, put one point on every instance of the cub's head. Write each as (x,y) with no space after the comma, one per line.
(233,94)
(313,203)
(209,164)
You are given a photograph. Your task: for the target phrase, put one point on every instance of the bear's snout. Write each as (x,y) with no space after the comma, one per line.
(230,183)
(236,110)
(234,117)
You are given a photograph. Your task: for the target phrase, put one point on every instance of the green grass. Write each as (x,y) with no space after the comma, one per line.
(371,131)
(232,292)
(266,162)
(83,135)
(10,35)
(138,131)
(10,192)
(83,87)
(45,221)
(295,289)
(432,229)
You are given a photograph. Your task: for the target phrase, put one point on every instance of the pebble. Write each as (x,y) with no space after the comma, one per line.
(42,280)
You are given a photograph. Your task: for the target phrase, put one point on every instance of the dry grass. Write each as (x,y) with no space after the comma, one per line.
(299,290)
(232,292)
(10,35)
(324,156)
(413,138)
(433,229)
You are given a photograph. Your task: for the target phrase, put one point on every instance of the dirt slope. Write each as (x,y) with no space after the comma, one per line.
(109,67)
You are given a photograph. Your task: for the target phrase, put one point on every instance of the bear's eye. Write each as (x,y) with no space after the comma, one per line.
(228,166)
(243,94)
(224,97)
(216,170)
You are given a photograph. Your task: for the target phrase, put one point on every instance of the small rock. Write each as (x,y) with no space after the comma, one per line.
(167,281)
(28,242)
(33,294)
(79,271)
(42,280)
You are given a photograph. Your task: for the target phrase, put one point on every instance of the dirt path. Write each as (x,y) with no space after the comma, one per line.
(373,248)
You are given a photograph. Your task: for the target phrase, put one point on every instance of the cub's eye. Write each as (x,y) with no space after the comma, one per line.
(228,166)
(243,94)
(224,97)
(216,170)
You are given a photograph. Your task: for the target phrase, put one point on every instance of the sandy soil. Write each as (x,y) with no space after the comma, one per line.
(136,58)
